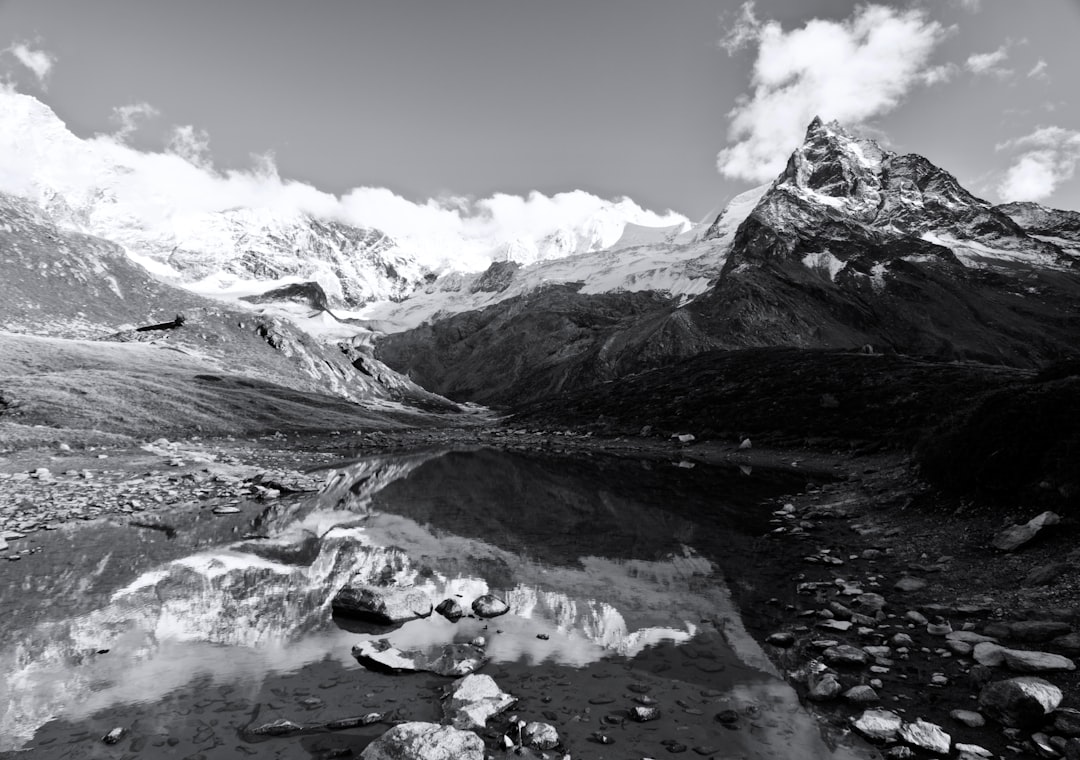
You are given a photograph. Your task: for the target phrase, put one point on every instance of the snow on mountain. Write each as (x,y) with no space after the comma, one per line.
(680,260)
(223,232)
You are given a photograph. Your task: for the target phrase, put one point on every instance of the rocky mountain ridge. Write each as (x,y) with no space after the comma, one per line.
(850,246)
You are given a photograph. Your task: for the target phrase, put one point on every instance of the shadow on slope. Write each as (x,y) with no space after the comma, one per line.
(780,397)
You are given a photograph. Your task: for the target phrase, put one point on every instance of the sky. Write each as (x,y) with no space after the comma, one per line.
(677,105)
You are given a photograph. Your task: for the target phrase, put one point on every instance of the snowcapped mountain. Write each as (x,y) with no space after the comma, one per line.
(239,233)
(851,245)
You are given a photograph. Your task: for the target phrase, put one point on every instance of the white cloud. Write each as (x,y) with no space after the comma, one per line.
(940,74)
(37,61)
(990,63)
(191,144)
(1044,160)
(128,117)
(850,70)
(1038,71)
(172,189)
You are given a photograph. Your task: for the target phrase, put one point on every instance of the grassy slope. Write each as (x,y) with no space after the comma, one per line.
(80,390)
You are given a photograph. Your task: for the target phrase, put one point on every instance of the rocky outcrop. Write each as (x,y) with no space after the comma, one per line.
(425,741)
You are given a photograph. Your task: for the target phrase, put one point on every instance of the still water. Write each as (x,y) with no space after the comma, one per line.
(614,569)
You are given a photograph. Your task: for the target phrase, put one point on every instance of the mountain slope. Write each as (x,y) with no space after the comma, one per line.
(851,245)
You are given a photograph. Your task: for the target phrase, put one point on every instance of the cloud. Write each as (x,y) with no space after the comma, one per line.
(971,6)
(1044,160)
(192,145)
(157,194)
(990,63)
(128,117)
(1038,71)
(850,70)
(38,61)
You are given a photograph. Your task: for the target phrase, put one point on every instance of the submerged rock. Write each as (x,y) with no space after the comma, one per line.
(115,736)
(450,660)
(425,741)
(473,699)
(279,727)
(1019,702)
(541,735)
(384,606)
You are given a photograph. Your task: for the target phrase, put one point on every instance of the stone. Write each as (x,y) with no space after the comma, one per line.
(971,751)
(900,753)
(916,617)
(279,727)
(823,687)
(881,726)
(540,735)
(835,625)
(989,654)
(488,606)
(1069,644)
(1022,702)
(845,655)
(1067,722)
(381,605)
(425,741)
(451,610)
(1037,631)
(927,736)
(901,640)
(226,510)
(908,583)
(968,637)
(450,660)
(939,627)
(1045,574)
(781,639)
(361,720)
(961,648)
(115,736)
(644,714)
(1022,661)
(870,602)
(1014,537)
(969,718)
(472,700)
(861,695)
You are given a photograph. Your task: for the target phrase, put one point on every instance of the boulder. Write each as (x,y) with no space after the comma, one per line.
(971,752)
(425,741)
(989,654)
(781,639)
(1067,722)
(450,660)
(927,736)
(472,700)
(1014,537)
(451,610)
(1022,661)
(969,718)
(488,606)
(861,695)
(542,736)
(1036,631)
(879,725)
(908,583)
(845,655)
(1022,702)
(823,687)
(381,605)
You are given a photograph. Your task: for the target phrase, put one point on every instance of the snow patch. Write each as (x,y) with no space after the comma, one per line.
(824,261)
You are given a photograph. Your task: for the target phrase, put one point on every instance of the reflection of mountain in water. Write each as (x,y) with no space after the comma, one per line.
(257,607)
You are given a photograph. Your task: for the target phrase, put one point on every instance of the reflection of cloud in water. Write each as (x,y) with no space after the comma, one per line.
(238,616)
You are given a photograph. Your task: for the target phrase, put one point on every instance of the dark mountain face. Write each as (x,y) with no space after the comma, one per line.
(851,245)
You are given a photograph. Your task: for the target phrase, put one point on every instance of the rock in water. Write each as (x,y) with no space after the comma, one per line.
(1019,702)
(879,725)
(541,735)
(928,736)
(488,606)
(824,687)
(451,610)
(1013,538)
(425,741)
(384,606)
(846,655)
(473,699)
(114,736)
(279,727)
(450,660)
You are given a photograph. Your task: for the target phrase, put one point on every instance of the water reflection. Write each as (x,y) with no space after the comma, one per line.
(598,558)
